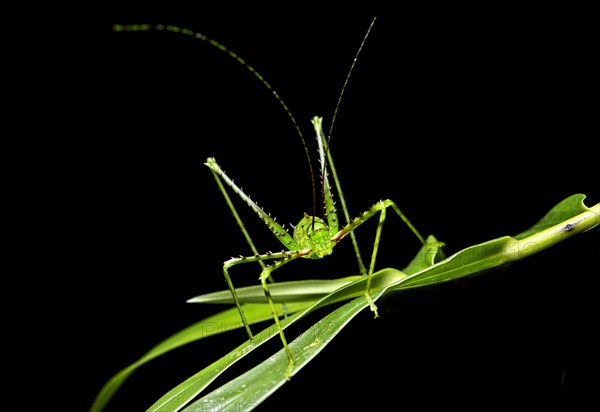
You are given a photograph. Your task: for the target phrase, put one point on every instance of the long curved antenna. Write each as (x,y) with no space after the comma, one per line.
(176,29)
(330,158)
(337,106)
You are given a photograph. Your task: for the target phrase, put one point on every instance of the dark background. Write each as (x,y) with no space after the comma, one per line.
(475,124)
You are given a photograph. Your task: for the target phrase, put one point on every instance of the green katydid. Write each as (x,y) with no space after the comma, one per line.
(313,237)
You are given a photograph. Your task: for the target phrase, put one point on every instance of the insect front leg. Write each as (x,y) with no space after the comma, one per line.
(283,258)
(247,259)
(227,265)
(265,274)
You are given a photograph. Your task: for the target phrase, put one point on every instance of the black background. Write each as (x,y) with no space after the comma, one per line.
(475,122)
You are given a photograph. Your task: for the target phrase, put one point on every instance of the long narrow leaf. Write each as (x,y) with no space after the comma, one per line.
(566,219)
(221,322)
(293,291)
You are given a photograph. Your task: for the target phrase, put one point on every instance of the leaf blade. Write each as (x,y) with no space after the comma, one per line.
(288,292)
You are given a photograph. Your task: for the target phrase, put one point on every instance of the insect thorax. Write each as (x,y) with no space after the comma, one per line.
(313,233)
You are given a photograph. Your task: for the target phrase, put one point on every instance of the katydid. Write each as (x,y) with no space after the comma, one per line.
(313,237)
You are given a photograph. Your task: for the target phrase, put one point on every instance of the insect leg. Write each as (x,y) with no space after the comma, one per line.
(266,273)
(284,257)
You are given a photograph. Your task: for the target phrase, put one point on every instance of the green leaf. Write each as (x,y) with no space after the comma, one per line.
(288,292)
(566,219)
(221,322)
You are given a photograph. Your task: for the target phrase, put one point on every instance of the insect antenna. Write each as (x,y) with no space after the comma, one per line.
(236,57)
(339,101)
